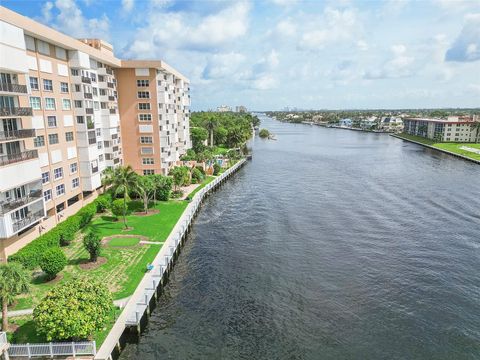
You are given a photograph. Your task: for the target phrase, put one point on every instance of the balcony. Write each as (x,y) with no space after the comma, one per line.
(29,220)
(16,111)
(86,80)
(110,85)
(88,95)
(89,111)
(14,158)
(17,134)
(11,205)
(13,88)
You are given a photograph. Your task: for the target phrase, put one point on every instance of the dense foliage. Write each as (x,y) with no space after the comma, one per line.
(216,169)
(31,255)
(73,310)
(181,176)
(53,261)
(92,243)
(118,207)
(197,176)
(14,280)
(229,130)
(264,133)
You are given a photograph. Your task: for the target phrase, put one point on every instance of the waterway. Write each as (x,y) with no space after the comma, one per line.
(330,244)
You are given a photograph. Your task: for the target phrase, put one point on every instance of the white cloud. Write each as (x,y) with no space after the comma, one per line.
(127,5)
(223,65)
(333,27)
(180,30)
(286,28)
(284,2)
(466,46)
(399,65)
(71,21)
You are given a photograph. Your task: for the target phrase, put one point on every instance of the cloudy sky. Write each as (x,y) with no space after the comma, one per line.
(269,54)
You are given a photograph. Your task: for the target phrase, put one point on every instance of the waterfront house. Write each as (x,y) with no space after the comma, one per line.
(345,122)
(391,123)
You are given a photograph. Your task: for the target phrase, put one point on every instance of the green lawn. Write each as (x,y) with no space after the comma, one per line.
(448,146)
(121,242)
(205,182)
(156,227)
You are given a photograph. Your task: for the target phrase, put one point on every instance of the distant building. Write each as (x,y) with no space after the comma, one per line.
(345,122)
(224,108)
(453,129)
(369,123)
(241,109)
(391,123)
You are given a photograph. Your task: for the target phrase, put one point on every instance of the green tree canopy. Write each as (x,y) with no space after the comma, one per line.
(14,280)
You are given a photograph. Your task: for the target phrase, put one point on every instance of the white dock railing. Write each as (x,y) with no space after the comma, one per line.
(53,349)
(3,342)
(138,302)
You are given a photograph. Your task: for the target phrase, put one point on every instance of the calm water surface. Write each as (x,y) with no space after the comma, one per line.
(330,244)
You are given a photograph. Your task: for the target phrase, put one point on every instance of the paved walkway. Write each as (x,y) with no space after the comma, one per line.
(15,313)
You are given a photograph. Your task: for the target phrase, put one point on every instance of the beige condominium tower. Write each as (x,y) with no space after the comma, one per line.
(154,113)
(60,124)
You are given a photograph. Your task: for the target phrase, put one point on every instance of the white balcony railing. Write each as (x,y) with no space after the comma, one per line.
(53,349)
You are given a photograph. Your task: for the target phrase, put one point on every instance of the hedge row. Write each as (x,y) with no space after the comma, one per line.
(62,234)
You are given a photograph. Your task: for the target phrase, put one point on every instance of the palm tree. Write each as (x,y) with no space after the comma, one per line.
(123,180)
(211,125)
(107,177)
(14,280)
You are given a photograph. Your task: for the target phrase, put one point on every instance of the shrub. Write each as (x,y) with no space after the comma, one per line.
(74,310)
(86,214)
(92,243)
(53,261)
(177,194)
(264,133)
(163,185)
(216,169)
(119,207)
(102,203)
(197,176)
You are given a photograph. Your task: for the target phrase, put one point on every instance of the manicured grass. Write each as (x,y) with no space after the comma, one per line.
(123,242)
(205,182)
(156,227)
(448,146)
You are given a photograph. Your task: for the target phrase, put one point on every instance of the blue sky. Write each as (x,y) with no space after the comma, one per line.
(309,54)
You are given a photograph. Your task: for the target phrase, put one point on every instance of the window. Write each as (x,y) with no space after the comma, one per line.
(60,189)
(49,104)
(30,43)
(100,157)
(45,177)
(146,140)
(146,150)
(78,103)
(35,103)
(58,173)
(60,53)
(143,83)
(143,94)
(74,72)
(80,120)
(144,106)
(78,88)
(69,136)
(66,104)
(53,139)
(145,117)
(33,83)
(75,183)
(47,195)
(64,87)
(52,121)
(73,168)
(99,145)
(47,85)
(147,161)
(43,47)
(39,141)
(149,172)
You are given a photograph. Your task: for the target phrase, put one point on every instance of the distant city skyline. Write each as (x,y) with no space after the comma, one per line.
(306,54)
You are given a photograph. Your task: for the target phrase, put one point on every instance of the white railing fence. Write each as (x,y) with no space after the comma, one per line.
(53,349)
(3,340)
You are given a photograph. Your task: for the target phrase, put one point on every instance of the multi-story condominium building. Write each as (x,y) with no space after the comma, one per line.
(453,129)
(59,112)
(154,113)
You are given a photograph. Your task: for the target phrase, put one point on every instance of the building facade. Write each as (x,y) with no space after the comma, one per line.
(154,113)
(61,127)
(453,129)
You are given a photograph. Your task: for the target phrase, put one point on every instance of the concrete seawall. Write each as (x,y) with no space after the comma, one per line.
(134,316)
(438,149)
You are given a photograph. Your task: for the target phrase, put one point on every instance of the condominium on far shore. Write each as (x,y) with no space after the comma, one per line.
(69,109)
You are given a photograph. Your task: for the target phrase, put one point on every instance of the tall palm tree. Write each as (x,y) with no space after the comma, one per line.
(14,280)
(123,180)
(107,177)
(211,124)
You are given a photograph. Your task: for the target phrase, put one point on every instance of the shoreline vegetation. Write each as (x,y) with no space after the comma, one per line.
(129,222)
